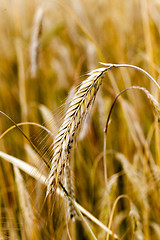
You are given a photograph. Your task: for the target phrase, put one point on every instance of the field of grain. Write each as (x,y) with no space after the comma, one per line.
(79,136)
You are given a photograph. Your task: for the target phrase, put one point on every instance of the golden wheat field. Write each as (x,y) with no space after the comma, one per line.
(79,119)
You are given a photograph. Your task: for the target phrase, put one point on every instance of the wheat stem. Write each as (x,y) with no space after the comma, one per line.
(134,67)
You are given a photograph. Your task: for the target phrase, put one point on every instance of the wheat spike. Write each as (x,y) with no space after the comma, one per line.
(76,112)
(152,100)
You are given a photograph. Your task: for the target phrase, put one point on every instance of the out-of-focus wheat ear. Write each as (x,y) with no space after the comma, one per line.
(75,114)
(135,222)
(35,41)
(49,119)
(28,215)
(153,101)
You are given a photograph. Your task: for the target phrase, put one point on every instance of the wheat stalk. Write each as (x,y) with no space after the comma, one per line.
(75,114)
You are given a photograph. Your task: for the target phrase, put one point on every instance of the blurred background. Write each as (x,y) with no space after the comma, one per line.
(46,49)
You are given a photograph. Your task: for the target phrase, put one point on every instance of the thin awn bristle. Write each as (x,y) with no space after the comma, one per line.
(35,42)
(76,112)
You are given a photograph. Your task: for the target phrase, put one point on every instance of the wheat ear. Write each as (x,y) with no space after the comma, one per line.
(75,114)
(35,42)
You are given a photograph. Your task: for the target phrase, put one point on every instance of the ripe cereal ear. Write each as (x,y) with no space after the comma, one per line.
(76,113)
